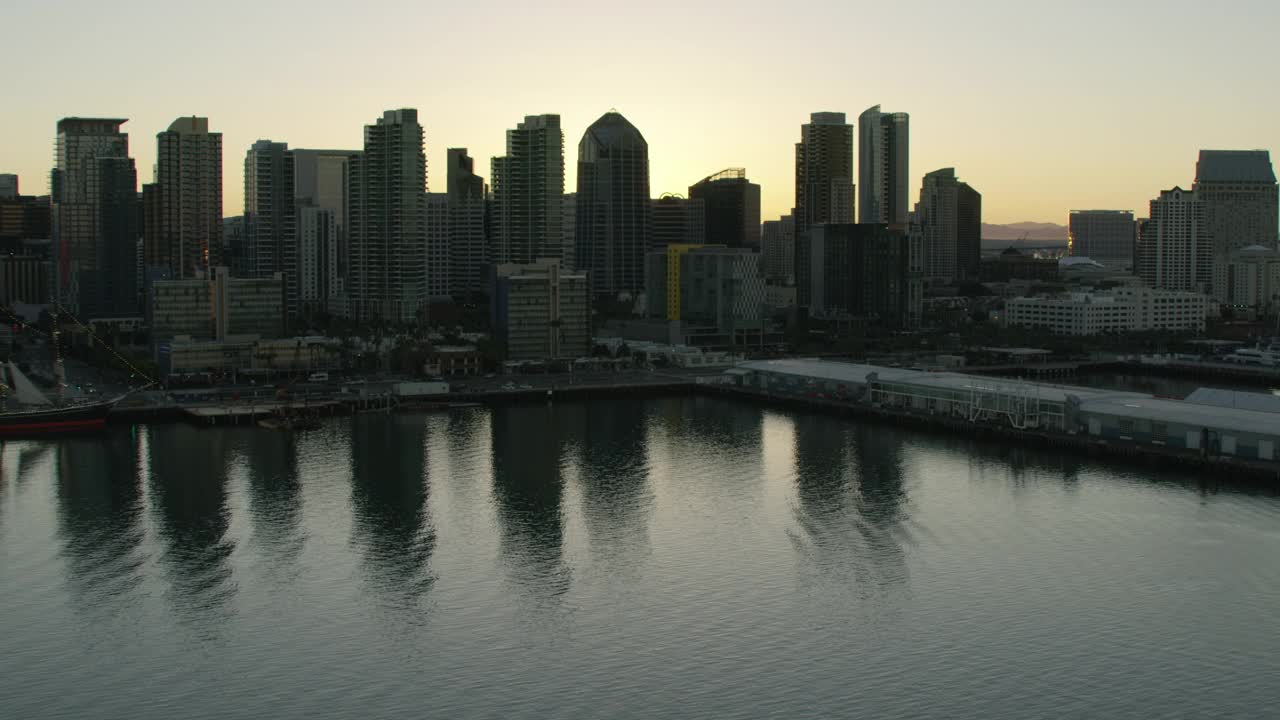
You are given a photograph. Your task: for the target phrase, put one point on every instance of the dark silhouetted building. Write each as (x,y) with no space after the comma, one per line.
(77,195)
(1013,265)
(613,206)
(870,271)
(469,226)
(732,207)
(676,221)
(778,249)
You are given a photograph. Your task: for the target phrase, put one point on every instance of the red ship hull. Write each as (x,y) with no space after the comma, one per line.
(59,421)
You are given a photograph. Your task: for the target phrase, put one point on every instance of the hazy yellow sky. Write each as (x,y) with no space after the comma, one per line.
(1042,106)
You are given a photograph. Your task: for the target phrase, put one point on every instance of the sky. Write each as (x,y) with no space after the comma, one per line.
(1041,106)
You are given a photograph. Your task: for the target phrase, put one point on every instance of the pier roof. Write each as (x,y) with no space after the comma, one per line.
(1186,413)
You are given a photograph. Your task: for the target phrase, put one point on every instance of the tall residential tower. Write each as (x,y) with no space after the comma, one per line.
(185,235)
(824,171)
(949,218)
(386,216)
(528,189)
(883,154)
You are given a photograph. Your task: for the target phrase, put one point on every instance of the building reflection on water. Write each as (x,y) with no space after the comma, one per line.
(389,498)
(275,495)
(189,501)
(613,474)
(101,516)
(850,501)
(529,443)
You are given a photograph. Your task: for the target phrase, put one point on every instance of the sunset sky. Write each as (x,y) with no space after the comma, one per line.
(1042,106)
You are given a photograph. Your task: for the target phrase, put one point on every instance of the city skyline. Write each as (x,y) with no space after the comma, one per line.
(1054,131)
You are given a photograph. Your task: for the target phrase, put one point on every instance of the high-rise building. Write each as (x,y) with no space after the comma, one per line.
(320,181)
(1174,251)
(539,312)
(1239,193)
(468,220)
(114,290)
(1106,236)
(675,220)
(872,271)
(317,258)
(271,219)
(569,231)
(949,216)
(235,243)
(528,189)
(438,224)
(77,199)
(186,236)
(386,199)
(613,206)
(8,186)
(883,155)
(732,208)
(824,172)
(778,249)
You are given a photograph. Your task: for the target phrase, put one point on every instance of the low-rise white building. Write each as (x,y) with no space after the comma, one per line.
(1122,309)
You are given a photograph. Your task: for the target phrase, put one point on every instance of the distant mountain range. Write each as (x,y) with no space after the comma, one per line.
(1029,230)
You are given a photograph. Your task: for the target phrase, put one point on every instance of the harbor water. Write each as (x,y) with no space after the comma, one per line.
(685,557)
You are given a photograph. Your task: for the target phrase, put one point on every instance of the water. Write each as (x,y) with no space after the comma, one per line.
(669,558)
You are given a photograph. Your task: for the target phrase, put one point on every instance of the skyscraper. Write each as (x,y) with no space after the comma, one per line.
(778,248)
(8,186)
(437,222)
(613,206)
(386,201)
(320,181)
(1174,250)
(528,189)
(186,237)
(883,154)
(824,171)
(113,291)
(1238,191)
(317,258)
(468,226)
(949,216)
(77,198)
(271,217)
(732,207)
(1106,236)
